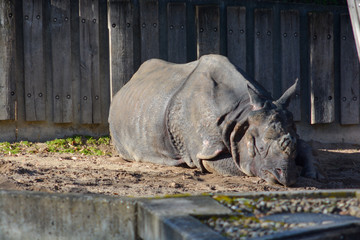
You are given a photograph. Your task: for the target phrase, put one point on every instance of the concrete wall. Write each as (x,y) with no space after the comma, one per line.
(29,215)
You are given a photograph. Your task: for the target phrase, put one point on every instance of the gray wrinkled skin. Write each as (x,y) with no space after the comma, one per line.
(209,115)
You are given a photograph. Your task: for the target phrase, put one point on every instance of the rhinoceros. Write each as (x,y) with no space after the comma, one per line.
(208,114)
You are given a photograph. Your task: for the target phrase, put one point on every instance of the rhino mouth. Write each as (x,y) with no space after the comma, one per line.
(270,177)
(276,176)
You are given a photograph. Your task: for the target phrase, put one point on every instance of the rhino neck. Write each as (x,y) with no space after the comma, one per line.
(237,114)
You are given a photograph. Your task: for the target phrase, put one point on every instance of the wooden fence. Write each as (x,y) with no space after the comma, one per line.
(61,60)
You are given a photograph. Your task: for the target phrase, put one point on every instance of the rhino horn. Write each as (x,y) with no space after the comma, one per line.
(284,100)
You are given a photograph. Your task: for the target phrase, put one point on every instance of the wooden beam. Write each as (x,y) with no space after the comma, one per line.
(354,10)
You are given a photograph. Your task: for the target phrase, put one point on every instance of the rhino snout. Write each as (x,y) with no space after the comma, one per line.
(287,144)
(286,175)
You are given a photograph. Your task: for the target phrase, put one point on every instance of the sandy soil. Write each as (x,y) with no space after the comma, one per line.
(70,173)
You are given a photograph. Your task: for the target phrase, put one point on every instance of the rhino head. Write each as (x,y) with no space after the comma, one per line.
(265,144)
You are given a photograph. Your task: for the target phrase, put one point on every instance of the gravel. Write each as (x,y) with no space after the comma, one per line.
(248,219)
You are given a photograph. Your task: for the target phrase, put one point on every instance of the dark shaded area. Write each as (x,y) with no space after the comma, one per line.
(321,2)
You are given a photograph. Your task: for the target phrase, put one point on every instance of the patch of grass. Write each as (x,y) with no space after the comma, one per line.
(14,148)
(7,148)
(77,145)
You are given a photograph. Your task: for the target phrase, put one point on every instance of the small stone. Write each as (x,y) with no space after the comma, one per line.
(285,208)
(277,209)
(354,211)
(269,205)
(266,225)
(277,225)
(292,225)
(175,185)
(326,222)
(302,225)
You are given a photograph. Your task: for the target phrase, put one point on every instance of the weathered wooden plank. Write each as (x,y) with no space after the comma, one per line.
(177,51)
(236,36)
(321,67)
(61,60)
(89,62)
(149,21)
(208,30)
(290,56)
(263,57)
(349,74)
(354,10)
(121,30)
(34,66)
(7,60)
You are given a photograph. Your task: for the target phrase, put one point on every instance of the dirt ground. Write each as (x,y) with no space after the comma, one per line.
(75,173)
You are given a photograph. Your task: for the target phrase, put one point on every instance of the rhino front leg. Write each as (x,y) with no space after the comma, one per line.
(311,166)
(223,164)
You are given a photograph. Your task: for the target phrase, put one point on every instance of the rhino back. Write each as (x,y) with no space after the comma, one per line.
(138,112)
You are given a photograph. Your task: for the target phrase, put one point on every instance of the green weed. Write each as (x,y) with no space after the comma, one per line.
(76,145)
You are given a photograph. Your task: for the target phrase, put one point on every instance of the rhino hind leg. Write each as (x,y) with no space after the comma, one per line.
(119,148)
(310,166)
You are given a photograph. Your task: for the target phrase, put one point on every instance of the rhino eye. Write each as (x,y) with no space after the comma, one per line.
(272,133)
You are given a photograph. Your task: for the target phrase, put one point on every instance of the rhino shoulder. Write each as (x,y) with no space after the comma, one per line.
(216,58)
(150,66)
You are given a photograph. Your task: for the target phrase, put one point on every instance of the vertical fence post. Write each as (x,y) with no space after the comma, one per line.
(121,31)
(264,69)
(7,60)
(34,66)
(149,24)
(321,67)
(290,56)
(89,62)
(177,51)
(208,30)
(61,61)
(236,36)
(354,10)
(349,74)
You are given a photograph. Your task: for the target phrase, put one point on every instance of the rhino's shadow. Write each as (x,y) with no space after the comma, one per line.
(341,164)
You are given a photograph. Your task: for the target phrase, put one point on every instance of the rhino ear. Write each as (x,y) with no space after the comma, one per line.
(284,100)
(256,100)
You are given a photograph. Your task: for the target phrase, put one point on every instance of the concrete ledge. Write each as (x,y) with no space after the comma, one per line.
(187,227)
(33,215)
(29,215)
(170,218)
